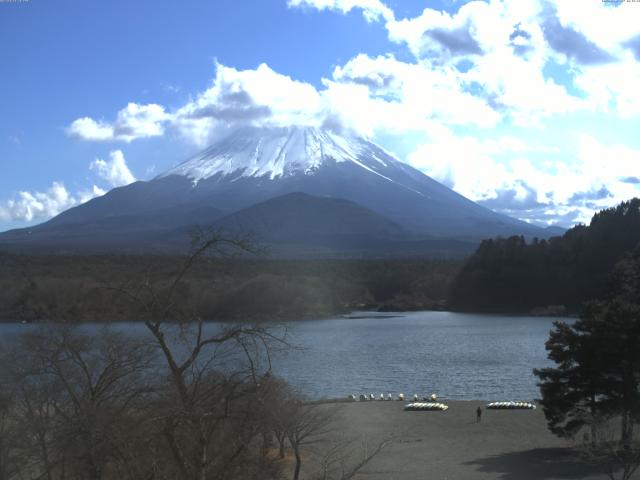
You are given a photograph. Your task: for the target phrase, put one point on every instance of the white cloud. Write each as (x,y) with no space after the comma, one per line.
(518,87)
(438,33)
(363,96)
(28,206)
(258,97)
(613,88)
(480,65)
(526,180)
(502,48)
(605,25)
(476,28)
(610,87)
(132,122)
(410,95)
(465,163)
(505,47)
(372,10)
(86,195)
(140,121)
(606,165)
(86,128)
(115,170)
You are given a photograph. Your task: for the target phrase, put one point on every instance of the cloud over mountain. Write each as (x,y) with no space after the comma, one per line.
(35,205)
(529,181)
(115,170)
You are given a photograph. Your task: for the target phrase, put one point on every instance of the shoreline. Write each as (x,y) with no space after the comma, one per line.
(408,399)
(342,314)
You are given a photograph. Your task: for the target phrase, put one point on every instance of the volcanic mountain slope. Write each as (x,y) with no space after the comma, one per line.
(300,224)
(252,165)
(297,216)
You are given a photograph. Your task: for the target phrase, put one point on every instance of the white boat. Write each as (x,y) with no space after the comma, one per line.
(426,406)
(511,406)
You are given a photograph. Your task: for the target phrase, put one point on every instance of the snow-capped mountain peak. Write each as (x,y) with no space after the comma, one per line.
(280,152)
(301,184)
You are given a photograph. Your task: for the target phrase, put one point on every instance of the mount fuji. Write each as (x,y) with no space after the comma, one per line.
(299,189)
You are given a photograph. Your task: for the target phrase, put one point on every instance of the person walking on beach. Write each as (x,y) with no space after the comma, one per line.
(478,415)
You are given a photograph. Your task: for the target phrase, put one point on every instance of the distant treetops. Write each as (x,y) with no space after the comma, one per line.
(513,275)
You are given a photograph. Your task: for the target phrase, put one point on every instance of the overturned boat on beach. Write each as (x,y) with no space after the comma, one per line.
(511,406)
(427,406)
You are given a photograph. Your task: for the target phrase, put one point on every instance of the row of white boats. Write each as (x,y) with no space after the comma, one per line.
(426,406)
(371,397)
(429,402)
(511,406)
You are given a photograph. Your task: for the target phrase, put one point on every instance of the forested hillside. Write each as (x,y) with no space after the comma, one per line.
(512,275)
(87,288)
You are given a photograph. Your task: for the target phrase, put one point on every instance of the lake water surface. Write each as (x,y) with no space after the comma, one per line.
(460,356)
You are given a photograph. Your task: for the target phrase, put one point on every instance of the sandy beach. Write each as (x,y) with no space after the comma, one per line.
(506,444)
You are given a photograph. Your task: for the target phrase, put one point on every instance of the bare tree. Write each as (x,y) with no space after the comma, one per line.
(77,398)
(306,426)
(214,373)
(343,460)
(9,461)
(278,399)
(186,399)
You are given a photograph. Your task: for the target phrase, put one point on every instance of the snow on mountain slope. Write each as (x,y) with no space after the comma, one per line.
(278,152)
(251,165)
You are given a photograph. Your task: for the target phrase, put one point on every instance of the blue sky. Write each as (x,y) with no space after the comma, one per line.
(530,107)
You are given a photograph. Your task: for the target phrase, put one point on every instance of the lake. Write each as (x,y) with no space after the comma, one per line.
(455,355)
(460,356)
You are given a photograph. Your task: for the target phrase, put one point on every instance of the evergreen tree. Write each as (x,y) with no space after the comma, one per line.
(572,391)
(597,373)
(621,338)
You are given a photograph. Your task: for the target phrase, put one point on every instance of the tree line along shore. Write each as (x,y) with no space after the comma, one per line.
(85,288)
